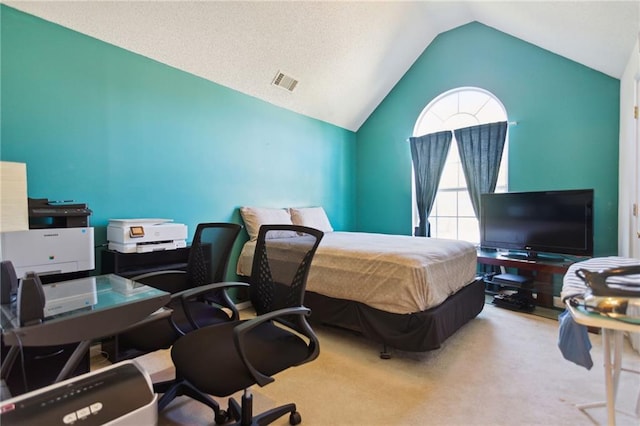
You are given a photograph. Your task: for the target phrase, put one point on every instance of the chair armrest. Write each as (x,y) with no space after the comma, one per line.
(155,274)
(240,330)
(192,293)
(203,289)
(160,313)
(174,298)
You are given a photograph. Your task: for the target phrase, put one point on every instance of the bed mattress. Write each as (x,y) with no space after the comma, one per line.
(393,273)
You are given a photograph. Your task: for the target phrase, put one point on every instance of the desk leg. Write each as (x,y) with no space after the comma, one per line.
(618,341)
(611,339)
(74,360)
(612,367)
(609,376)
(8,361)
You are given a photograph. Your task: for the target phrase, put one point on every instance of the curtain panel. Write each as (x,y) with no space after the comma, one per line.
(480,149)
(428,153)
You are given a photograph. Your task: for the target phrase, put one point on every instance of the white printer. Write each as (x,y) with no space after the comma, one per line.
(49,251)
(145,235)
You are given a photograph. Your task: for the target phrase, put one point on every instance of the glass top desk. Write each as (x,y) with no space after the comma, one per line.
(612,335)
(111,305)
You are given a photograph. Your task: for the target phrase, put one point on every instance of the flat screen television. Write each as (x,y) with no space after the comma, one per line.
(534,223)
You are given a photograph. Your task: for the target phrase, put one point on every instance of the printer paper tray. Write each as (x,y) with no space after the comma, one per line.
(147,248)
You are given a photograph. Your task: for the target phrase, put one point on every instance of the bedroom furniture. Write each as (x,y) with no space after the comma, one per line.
(612,343)
(207,263)
(613,329)
(408,293)
(223,359)
(542,271)
(119,303)
(208,260)
(415,332)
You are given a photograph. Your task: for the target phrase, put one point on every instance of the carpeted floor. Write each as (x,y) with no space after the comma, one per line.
(502,368)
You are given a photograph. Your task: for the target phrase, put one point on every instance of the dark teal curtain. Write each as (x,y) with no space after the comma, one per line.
(428,153)
(480,149)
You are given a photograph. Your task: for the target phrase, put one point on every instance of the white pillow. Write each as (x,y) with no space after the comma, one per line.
(255,217)
(313,217)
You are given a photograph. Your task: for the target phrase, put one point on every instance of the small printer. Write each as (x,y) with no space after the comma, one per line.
(57,214)
(145,235)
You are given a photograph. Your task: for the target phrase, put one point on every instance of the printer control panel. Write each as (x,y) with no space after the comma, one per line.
(136,231)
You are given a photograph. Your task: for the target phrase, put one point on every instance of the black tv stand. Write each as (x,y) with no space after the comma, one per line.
(534,256)
(540,269)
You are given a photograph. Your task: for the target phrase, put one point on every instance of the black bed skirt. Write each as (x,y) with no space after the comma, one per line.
(416,332)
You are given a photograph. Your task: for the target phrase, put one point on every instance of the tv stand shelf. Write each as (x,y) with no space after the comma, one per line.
(540,269)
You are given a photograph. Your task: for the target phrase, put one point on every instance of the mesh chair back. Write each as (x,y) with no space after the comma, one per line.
(281,263)
(210,251)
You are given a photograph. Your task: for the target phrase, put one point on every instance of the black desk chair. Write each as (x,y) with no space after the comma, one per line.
(222,359)
(208,259)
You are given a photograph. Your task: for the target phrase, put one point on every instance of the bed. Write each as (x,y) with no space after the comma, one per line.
(408,293)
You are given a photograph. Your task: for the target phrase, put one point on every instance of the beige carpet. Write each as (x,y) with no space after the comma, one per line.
(502,368)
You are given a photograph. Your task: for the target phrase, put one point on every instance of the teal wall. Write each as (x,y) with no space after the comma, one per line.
(135,138)
(566,136)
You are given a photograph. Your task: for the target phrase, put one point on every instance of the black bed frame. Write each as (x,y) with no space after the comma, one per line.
(415,332)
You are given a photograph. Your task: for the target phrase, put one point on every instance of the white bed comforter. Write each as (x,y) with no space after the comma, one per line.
(393,273)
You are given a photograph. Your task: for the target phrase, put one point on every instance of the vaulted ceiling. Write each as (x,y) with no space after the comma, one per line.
(346,55)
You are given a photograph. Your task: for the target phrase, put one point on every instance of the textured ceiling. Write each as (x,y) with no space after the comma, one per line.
(347,55)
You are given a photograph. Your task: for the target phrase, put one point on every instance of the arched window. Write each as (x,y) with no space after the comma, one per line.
(452,214)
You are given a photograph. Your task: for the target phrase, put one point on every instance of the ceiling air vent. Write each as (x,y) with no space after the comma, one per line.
(284,81)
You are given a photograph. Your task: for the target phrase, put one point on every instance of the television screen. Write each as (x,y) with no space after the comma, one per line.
(545,221)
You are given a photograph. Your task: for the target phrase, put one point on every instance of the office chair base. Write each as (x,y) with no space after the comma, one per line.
(174,388)
(244,414)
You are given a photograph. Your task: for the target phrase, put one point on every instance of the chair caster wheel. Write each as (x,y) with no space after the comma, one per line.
(295,418)
(222,417)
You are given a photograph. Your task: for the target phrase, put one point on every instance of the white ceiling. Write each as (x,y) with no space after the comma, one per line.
(347,55)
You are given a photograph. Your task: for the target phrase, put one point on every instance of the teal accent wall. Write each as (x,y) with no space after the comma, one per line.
(136,138)
(133,138)
(566,136)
